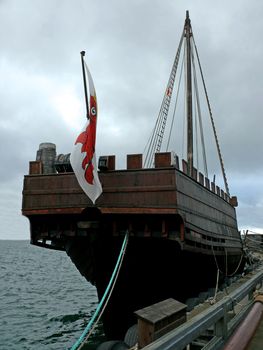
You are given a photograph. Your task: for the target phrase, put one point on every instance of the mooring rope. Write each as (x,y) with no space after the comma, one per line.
(213,300)
(80,342)
(106,302)
(241,258)
(226,273)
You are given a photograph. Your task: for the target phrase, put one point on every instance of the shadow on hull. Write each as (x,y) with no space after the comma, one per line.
(154,269)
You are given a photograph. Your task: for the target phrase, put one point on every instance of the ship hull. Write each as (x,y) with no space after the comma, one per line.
(153,269)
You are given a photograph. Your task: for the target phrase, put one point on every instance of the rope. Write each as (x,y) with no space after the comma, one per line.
(156,138)
(252,240)
(79,342)
(216,289)
(202,139)
(232,274)
(175,106)
(225,274)
(212,121)
(106,303)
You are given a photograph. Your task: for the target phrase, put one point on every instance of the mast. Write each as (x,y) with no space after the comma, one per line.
(155,141)
(189,108)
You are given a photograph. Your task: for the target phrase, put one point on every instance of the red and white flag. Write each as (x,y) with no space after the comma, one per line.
(83,157)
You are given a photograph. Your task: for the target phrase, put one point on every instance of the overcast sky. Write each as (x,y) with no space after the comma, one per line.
(130,47)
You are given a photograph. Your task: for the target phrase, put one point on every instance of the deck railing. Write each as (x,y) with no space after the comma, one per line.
(215,317)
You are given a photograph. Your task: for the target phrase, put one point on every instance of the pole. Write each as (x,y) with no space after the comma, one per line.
(189,111)
(85,83)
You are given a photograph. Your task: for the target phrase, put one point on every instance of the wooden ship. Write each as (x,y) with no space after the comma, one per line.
(182,227)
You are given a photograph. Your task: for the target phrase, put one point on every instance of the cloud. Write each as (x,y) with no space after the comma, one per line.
(130,48)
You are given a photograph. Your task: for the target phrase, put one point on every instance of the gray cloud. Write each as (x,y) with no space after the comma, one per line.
(130,50)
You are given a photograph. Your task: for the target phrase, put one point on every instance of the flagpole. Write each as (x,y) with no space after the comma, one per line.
(84,81)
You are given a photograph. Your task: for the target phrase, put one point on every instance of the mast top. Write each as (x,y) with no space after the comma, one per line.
(187,19)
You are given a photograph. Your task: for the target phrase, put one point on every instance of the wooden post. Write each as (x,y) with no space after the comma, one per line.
(35,167)
(106,163)
(221,325)
(134,161)
(162,159)
(158,319)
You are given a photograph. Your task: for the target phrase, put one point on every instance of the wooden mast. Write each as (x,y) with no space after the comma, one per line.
(189,108)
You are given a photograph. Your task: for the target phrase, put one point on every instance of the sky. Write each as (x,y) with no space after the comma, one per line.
(130,48)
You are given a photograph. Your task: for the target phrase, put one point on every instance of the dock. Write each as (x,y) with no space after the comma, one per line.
(230,320)
(219,326)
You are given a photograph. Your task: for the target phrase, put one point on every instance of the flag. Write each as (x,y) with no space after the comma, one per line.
(83,156)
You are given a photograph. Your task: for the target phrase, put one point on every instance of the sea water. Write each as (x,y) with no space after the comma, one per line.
(45,303)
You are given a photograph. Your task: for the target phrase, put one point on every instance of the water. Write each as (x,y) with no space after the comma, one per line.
(45,303)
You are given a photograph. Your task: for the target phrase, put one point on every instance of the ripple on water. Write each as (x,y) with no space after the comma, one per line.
(45,303)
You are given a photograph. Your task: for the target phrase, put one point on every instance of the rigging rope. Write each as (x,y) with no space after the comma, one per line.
(157,135)
(89,328)
(199,117)
(175,106)
(212,121)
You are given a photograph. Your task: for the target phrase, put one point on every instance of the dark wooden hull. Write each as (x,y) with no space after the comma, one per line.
(153,270)
(181,232)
